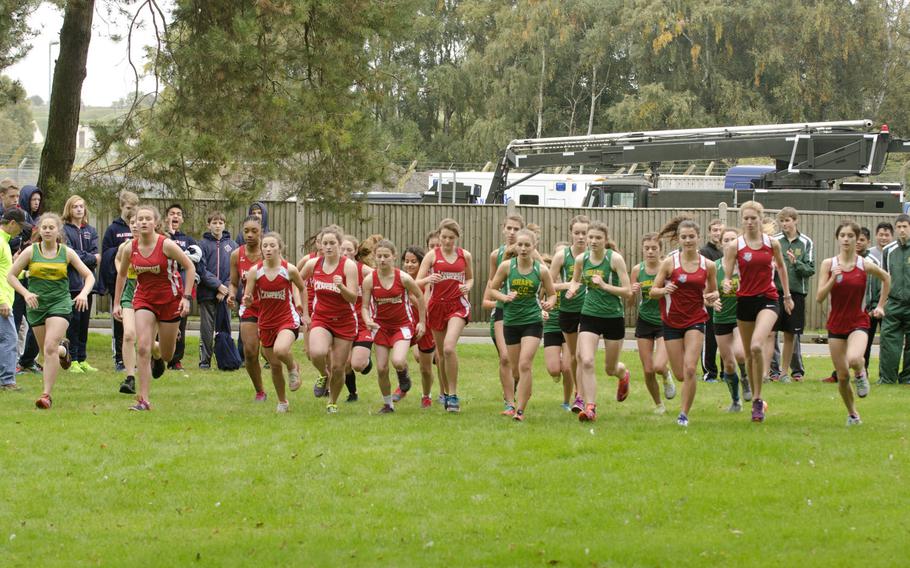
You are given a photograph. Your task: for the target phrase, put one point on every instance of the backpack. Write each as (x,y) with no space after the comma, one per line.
(226,354)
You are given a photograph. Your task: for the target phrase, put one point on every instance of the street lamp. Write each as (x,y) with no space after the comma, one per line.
(50,69)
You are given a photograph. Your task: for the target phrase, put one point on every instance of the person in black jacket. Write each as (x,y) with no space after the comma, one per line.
(712,251)
(217,247)
(31,200)
(256,209)
(173,221)
(116,234)
(83,239)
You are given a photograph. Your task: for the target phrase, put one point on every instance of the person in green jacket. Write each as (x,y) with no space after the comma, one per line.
(896,323)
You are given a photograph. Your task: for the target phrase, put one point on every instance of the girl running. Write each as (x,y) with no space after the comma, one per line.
(523,280)
(334,321)
(319,387)
(555,351)
(756,256)
(127,314)
(449,271)
(363,344)
(649,333)
(242,261)
(387,312)
(601,271)
(844,278)
(47,299)
(270,286)
(562,271)
(684,283)
(729,343)
(159,300)
(425,349)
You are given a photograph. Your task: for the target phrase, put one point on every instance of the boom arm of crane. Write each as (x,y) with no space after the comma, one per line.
(806,155)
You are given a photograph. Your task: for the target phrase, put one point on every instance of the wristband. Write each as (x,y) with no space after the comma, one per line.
(788,297)
(188,297)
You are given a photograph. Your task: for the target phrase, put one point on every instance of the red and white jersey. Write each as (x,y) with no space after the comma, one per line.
(275,298)
(847,298)
(756,269)
(391,308)
(685,307)
(453,277)
(244,264)
(328,300)
(157,279)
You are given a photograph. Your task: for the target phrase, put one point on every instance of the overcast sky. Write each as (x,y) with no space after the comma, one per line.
(109,75)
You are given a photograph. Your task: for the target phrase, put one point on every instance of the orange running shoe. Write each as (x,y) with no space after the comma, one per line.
(622,387)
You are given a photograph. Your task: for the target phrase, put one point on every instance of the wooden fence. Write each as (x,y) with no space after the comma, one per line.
(409,224)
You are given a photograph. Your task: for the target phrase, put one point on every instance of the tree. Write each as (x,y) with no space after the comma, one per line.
(14,36)
(15,124)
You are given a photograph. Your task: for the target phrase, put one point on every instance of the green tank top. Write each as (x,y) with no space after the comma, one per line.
(727,311)
(552,324)
(499,255)
(648,307)
(574,304)
(525,308)
(48,279)
(600,303)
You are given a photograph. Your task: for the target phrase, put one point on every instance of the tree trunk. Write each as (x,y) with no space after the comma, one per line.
(543,77)
(59,151)
(594,96)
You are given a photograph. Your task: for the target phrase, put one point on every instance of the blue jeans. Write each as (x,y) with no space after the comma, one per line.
(9,340)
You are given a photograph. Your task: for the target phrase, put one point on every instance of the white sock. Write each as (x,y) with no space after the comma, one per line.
(387,400)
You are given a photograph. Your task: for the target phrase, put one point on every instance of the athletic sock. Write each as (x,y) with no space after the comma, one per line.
(742,371)
(350,381)
(404,380)
(387,400)
(732,385)
(366,370)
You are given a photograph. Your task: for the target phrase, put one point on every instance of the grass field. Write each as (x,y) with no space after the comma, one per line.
(212,478)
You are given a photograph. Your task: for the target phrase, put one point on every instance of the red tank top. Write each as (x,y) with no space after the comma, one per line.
(847,297)
(275,299)
(157,279)
(310,290)
(686,306)
(328,301)
(244,264)
(391,307)
(453,276)
(756,269)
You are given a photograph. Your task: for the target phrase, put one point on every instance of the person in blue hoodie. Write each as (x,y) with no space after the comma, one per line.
(116,234)
(82,238)
(173,222)
(217,247)
(31,201)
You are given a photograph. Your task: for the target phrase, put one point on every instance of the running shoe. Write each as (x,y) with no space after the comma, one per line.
(682,420)
(784,379)
(519,416)
(261,396)
(660,410)
(589,414)
(66,359)
(331,408)
(283,407)
(158,367)
(387,409)
(119,367)
(441,399)
(567,407)
(11,387)
(862,384)
(352,397)
(747,390)
(832,378)
(295,381)
(735,407)
(141,406)
(454,404)
(398,395)
(43,403)
(128,386)
(669,386)
(708,378)
(622,387)
(178,366)
(425,402)
(578,406)
(797,378)
(319,388)
(509,410)
(75,367)
(853,420)
(758,410)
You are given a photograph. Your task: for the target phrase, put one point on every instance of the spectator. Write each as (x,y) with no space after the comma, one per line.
(713,251)
(31,201)
(884,234)
(217,247)
(82,238)
(11,224)
(173,222)
(116,234)
(257,209)
(896,323)
(9,194)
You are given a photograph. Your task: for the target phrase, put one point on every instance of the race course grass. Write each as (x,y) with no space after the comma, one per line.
(211,478)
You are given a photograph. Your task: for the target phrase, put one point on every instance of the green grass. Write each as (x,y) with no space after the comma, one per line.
(210,478)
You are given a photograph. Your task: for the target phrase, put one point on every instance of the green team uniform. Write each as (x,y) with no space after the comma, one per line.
(48,279)
(577,302)
(552,324)
(525,308)
(600,303)
(129,289)
(727,312)
(498,308)
(648,307)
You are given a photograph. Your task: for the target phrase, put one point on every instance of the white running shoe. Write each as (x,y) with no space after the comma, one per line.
(862,384)
(853,420)
(660,410)
(669,385)
(282,407)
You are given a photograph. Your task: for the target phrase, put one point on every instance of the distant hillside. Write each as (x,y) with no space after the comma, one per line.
(87,115)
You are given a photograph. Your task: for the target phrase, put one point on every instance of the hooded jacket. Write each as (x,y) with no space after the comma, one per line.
(115,235)
(84,242)
(265,220)
(216,260)
(25,196)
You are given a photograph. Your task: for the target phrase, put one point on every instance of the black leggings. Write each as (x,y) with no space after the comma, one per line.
(77,332)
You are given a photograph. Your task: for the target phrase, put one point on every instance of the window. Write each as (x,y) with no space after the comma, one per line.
(529,200)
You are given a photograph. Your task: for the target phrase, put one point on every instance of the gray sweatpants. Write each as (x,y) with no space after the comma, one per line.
(206,331)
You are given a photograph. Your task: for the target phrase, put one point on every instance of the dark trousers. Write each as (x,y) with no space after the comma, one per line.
(873,325)
(77,332)
(709,349)
(30,352)
(181,343)
(117,338)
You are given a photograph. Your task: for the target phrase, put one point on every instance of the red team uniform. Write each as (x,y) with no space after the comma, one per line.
(159,288)
(275,299)
(847,296)
(446,300)
(426,344)
(756,269)
(364,335)
(330,310)
(244,264)
(685,308)
(391,309)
